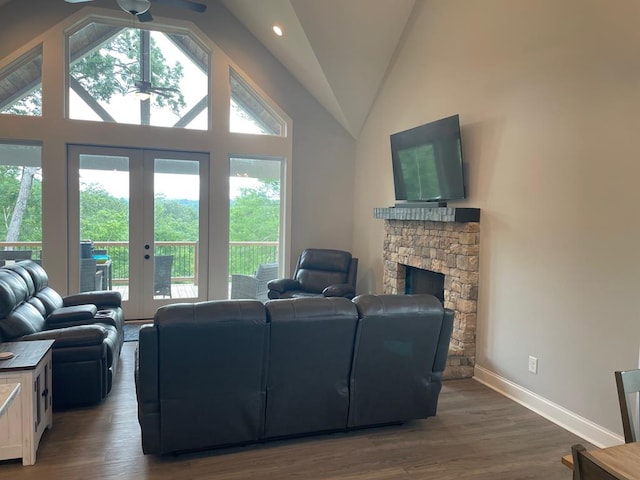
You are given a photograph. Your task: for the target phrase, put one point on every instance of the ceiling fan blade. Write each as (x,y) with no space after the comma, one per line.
(186,4)
(145,17)
(78,1)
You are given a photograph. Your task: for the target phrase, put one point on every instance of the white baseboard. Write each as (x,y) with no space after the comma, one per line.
(553,412)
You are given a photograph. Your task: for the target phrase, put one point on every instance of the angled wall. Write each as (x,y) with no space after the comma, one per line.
(548,94)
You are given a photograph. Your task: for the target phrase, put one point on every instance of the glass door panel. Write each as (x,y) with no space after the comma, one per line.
(176,231)
(104,223)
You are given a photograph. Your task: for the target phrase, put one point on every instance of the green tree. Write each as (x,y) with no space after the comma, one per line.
(31,229)
(176,220)
(102,216)
(254,216)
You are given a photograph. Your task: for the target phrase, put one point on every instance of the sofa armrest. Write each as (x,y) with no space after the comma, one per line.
(147,388)
(78,336)
(71,315)
(282,285)
(339,290)
(101,299)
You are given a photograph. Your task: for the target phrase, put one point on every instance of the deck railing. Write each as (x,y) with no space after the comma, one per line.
(244,257)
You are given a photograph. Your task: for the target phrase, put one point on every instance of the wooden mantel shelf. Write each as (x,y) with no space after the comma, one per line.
(432,214)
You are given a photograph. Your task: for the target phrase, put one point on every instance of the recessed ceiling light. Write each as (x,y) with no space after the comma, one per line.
(277,29)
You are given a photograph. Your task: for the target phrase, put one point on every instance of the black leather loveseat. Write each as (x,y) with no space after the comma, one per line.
(87,329)
(231,372)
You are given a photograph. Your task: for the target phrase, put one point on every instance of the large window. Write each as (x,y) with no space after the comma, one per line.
(254,224)
(137,76)
(21,198)
(102,82)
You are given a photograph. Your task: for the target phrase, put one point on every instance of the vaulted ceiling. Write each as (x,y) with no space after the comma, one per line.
(339,50)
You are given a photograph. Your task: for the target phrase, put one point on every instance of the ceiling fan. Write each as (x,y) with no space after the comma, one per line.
(140,8)
(143,90)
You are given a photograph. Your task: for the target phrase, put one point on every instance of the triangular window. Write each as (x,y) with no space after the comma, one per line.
(250,113)
(21,85)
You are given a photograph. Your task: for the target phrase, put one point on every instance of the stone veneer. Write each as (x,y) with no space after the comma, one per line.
(446,245)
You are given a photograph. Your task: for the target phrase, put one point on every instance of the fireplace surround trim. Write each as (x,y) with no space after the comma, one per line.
(447,246)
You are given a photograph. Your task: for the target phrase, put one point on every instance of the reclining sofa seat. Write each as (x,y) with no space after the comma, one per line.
(87,330)
(200,375)
(229,372)
(319,272)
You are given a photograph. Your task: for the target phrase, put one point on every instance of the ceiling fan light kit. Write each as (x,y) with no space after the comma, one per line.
(134,7)
(140,8)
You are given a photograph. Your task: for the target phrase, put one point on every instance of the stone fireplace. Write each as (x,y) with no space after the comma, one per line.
(445,241)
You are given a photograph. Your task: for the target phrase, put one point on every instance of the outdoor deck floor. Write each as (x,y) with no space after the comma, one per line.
(177,291)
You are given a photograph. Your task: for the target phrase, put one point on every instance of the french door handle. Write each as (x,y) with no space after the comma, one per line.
(147,257)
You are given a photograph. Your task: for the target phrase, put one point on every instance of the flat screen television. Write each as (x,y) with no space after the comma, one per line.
(427,163)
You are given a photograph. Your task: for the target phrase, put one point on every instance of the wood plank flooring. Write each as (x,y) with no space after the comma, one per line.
(477,434)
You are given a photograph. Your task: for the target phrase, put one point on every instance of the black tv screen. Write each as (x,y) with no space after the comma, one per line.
(427,162)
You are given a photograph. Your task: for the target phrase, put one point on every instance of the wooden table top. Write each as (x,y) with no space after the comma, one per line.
(623,459)
(27,354)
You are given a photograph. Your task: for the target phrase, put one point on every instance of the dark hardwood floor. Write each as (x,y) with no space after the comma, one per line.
(477,434)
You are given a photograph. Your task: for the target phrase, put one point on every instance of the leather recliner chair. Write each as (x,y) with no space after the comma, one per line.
(319,272)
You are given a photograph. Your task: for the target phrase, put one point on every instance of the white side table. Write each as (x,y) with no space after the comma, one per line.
(24,422)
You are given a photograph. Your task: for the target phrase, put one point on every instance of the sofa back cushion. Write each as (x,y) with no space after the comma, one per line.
(10,291)
(396,345)
(23,320)
(309,363)
(211,358)
(19,270)
(37,272)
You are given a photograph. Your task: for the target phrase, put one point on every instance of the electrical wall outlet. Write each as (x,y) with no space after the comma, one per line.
(533,364)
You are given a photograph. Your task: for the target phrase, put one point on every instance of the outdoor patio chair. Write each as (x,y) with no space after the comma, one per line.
(254,287)
(162,275)
(15,255)
(90,276)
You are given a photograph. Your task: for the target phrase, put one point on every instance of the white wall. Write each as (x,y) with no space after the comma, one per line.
(548,94)
(322,151)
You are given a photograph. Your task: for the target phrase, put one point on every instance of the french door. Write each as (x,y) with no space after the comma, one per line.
(138,224)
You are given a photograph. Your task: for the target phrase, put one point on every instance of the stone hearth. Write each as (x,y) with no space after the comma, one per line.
(447,241)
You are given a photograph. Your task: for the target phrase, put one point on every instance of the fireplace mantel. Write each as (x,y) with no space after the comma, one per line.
(433,214)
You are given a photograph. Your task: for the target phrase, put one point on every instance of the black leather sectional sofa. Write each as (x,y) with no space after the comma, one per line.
(231,372)
(87,329)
